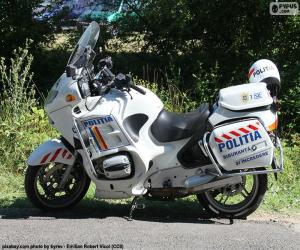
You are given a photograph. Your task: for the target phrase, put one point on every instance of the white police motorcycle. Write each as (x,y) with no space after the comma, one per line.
(120,136)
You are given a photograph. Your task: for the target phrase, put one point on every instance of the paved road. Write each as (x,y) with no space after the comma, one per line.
(147,233)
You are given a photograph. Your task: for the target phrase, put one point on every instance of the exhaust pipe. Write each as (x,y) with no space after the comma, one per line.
(192,187)
(198,180)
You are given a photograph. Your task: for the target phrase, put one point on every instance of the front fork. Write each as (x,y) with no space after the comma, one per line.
(68,171)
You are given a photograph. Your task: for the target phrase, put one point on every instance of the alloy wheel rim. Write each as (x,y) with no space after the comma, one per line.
(226,199)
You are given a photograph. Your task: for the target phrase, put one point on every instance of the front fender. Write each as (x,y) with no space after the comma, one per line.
(51,151)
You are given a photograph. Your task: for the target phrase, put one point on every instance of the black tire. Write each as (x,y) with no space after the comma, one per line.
(31,180)
(217,209)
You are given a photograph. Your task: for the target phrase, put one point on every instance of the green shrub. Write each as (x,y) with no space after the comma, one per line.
(22,125)
(18,94)
(290,110)
(173,99)
(233,36)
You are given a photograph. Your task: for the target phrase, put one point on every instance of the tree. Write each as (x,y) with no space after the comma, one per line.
(197,35)
(17,25)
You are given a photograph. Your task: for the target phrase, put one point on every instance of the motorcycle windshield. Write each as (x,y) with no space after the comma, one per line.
(88,39)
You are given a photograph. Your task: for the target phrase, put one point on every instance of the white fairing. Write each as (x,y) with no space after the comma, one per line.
(104,127)
(245,96)
(51,151)
(103,133)
(59,110)
(241,145)
(64,86)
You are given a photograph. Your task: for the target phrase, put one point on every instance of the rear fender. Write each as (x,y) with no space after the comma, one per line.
(51,151)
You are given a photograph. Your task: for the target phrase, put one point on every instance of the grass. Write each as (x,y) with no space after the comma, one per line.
(284,195)
(23,127)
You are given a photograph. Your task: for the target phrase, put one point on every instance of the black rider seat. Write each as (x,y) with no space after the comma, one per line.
(170,126)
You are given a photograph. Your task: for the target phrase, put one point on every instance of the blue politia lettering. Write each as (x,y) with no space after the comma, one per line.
(241,140)
(221,146)
(257,135)
(251,137)
(235,143)
(99,121)
(229,144)
(246,138)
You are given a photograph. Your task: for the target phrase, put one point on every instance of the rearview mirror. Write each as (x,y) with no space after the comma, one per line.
(106,62)
(70,70)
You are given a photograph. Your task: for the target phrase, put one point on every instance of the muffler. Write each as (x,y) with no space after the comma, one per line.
(218,183)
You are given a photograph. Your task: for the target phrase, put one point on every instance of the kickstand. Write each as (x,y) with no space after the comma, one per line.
(134,205)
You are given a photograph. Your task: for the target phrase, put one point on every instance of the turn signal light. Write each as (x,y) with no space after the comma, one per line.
(70,98)
(273,126)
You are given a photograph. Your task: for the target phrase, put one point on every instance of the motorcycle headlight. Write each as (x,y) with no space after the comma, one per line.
(51,96)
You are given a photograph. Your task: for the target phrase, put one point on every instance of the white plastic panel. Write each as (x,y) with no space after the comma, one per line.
(241,145)
(64,86)
(51,151)
(245,96)
(104,134)
(221,114)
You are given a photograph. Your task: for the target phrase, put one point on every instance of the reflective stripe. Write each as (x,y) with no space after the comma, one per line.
(45,158)
(99,138)
(55,155)
(227,137)
(218,140)
(64,153)
(244,130)
(252,127)
(234,133)
(250,72)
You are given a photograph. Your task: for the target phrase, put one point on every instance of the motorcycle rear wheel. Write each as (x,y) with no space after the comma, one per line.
(42,186)
(242,199)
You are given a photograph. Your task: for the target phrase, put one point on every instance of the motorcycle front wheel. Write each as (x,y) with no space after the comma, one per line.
(42,186)
(235,201)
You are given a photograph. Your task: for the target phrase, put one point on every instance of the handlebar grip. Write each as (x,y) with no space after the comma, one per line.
(136,88)
(108,73)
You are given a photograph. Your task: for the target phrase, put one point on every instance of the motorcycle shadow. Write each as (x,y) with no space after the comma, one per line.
(181,210)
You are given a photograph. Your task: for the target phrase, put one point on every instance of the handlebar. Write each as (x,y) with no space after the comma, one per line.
(105,80)
(136,88)
(121,82)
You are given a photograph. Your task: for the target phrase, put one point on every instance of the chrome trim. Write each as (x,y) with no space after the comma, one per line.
(84,148)
(216,184)
(219,173)
(253,172)
(197,180)
(200,143)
